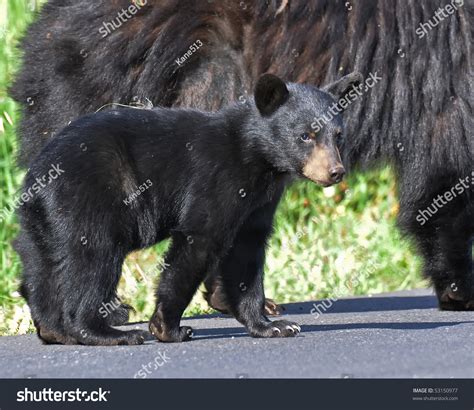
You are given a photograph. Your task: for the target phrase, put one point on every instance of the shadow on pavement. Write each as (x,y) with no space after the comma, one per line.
(235,332)
(364,304)
(395,326)
(354,305)
(359,304)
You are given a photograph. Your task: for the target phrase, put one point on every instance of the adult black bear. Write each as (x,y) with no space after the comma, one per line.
(418,117)
(208,181)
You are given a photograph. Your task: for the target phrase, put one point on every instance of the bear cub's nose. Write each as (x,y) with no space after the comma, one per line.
(336,174)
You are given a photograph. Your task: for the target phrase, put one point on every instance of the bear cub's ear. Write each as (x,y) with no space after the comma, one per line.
(342,86)
(270,94)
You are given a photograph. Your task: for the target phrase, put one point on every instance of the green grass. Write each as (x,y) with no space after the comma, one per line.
(340,240)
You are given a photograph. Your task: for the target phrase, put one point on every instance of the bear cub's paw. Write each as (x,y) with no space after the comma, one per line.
(112,337)
(278,328)
(133,338)
(173,335)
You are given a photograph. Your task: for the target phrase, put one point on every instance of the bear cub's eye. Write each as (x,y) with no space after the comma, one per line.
(339,138)
(307,136)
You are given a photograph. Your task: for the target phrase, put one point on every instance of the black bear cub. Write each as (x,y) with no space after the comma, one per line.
(131,178)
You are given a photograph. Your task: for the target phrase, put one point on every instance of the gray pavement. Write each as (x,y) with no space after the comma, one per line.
(398,335)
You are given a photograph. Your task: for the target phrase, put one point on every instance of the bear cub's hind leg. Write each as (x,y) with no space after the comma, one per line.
(82,315)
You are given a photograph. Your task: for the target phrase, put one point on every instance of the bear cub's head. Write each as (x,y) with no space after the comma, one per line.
(302,134)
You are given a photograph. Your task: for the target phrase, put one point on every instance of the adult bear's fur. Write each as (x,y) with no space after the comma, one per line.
(418,117)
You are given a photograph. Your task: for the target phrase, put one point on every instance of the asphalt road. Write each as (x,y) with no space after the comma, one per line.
(399,335)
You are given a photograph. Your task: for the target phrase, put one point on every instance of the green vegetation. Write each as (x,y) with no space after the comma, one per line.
(340,240)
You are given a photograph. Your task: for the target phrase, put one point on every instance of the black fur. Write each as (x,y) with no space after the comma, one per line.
(130,178)
(419,117)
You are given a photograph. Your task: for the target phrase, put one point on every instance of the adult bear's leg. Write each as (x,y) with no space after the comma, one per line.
(443,232)
(448,262)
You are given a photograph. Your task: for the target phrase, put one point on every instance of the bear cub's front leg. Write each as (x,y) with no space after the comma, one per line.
(186,264)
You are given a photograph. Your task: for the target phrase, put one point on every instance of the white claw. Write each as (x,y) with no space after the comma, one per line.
(297,328)
(290,328)
(275,329)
